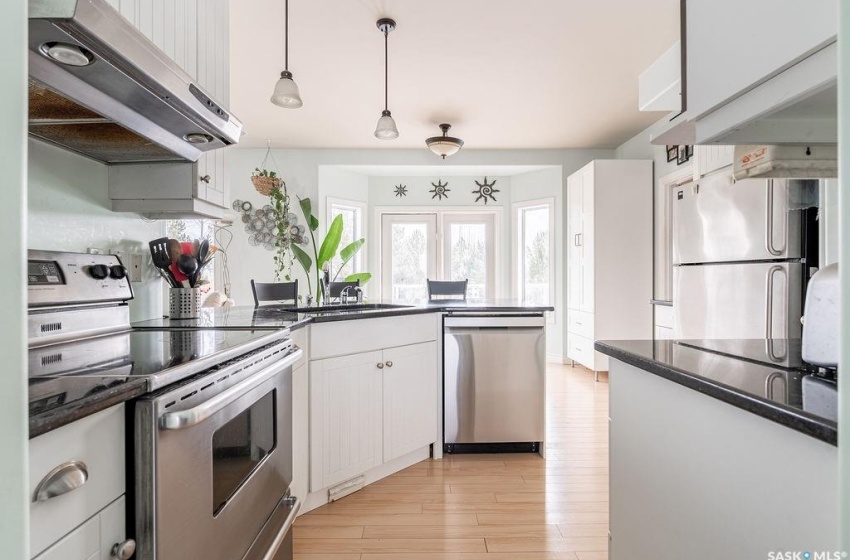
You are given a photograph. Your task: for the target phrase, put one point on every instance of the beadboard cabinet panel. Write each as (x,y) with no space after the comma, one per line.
(410,391)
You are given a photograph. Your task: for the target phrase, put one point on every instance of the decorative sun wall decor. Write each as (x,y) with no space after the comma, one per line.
(440,190)
(401,190)
(485,191)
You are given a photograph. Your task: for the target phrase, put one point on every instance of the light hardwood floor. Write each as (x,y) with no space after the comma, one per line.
(485,507)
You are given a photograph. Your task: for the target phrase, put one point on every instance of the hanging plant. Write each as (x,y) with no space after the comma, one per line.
(265,180)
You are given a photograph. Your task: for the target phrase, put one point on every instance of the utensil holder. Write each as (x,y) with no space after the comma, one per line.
(184,303)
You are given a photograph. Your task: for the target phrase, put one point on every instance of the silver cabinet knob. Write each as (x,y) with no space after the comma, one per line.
(61,480)
(206,179)
(124,550)
(380,366)
(389,364)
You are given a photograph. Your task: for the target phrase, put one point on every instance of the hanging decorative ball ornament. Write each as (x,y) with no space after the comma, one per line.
(440,190)
(401,190)
(485,191)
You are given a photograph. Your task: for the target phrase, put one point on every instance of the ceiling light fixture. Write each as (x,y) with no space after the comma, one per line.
(386,129)
(286,90)
(444,145)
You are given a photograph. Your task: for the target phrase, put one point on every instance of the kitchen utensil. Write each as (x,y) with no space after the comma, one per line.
(188,265)
(203,251)
(196,248)
(161,260)
(174,249)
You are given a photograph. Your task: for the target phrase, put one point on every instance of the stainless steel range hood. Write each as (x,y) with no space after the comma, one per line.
(99,87)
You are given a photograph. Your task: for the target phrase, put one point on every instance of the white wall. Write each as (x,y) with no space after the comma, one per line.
(548,183)
(69,211)
(301,170)
(14,427)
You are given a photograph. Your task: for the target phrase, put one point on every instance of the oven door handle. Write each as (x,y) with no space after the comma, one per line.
(194,416)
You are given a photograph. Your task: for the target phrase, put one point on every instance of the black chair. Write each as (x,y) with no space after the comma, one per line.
(335,289)
(278,292)
(447,289)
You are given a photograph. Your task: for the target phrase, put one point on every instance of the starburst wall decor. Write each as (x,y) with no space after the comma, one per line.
(440,190)
(485,191)
(401,190)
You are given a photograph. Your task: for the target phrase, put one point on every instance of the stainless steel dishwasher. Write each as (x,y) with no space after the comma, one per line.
(493,391)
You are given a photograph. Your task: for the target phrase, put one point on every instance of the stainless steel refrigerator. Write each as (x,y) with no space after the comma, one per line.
(739,255)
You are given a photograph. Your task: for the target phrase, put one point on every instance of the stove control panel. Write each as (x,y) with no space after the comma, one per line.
(61,279)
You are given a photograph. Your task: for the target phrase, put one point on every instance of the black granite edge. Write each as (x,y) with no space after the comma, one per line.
(496,309)
(370,314)
(299,324)
(71,412)
(798,420)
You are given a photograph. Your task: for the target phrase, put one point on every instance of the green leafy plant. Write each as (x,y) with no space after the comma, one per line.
(264,173)
(283,256)
(326,252)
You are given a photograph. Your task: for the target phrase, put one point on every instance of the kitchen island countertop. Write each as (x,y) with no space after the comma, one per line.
(766,378)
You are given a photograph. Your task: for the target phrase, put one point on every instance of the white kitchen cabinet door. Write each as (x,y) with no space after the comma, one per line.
(345,417)
(587,240)
(300,432)
(410,391)
(574,260)
(94,539)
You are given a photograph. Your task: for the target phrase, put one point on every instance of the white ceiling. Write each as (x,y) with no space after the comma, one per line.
(451,171)
(510,75)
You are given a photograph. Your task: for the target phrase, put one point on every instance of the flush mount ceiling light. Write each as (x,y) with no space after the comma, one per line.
(286,90)
(386,129)
(444,145)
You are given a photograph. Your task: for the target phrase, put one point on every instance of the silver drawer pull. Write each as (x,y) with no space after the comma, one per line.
(61,480)
(380,366)
(389,364)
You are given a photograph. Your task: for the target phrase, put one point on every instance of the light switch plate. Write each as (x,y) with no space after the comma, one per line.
(134,268)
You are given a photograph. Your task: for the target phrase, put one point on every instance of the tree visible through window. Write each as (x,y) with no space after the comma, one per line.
(535,245)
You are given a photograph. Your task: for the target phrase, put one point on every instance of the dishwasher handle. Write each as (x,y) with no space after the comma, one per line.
(508,322)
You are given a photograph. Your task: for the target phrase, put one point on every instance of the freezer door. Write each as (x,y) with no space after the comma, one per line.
(753,300)
(720,221)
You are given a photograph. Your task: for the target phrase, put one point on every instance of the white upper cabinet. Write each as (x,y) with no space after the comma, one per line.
(733,46)
(758,72)
(195,34)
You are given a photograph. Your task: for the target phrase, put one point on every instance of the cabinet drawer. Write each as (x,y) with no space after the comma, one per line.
(343,338)
(580,323)
(94,539)
(581,350)
(97,441)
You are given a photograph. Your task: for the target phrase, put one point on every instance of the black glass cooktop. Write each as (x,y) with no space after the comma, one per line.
(161,357)
(265,318)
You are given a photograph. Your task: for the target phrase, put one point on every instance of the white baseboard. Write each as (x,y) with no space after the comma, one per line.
(557,359)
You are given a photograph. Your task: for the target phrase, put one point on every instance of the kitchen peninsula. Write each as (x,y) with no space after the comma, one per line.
(749,420)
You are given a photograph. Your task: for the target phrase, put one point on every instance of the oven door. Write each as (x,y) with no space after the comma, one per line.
(222,463)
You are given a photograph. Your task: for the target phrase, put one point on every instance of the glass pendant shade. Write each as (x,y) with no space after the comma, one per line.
(444,145)
(286,92)
(386,129)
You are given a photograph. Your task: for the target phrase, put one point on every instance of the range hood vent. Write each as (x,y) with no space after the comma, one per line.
(786,162)
(100,88)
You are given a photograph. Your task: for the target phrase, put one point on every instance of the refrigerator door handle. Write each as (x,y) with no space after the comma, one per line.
(768,241)
(768,307)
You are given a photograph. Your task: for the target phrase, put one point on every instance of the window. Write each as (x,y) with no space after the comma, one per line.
(353,228)
(535,251)
(439,245)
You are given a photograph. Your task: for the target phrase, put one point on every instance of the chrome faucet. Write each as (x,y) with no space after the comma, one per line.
(343,295)
(326,284)
(358,291)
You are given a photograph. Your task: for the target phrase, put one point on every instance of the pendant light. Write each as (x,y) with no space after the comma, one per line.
(444,145)
(286,90)
(386,129)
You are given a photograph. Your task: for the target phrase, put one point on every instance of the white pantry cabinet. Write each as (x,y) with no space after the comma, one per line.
(609,256)
(195,34)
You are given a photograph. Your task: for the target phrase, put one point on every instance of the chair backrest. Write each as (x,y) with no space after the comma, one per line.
(279,291)
(335,288)
(447,288)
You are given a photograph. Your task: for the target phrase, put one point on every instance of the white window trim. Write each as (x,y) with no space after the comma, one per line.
(517,245)
(441,212)
(362,257)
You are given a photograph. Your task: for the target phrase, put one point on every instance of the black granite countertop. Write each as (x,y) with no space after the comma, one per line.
(767,378)
(56,401)
(280,316)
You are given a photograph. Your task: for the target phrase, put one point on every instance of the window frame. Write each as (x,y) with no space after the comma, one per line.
(519,244)
(441,213)
(361,258)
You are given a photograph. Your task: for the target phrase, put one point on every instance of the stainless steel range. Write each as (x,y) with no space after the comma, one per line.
(213,437)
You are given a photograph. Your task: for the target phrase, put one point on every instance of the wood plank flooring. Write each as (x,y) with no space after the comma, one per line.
(485,507)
